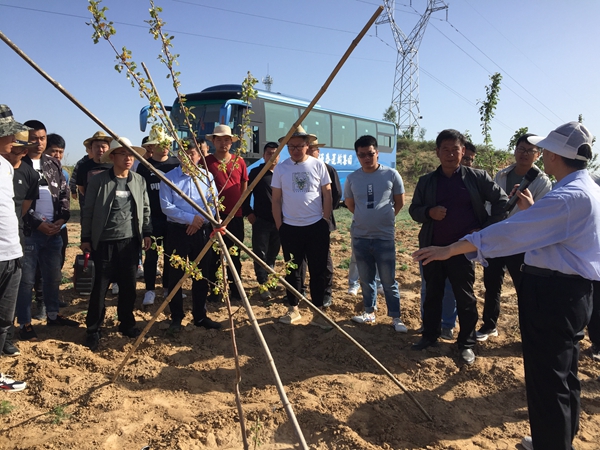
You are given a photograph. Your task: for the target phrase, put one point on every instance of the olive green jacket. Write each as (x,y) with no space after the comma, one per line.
(99,196)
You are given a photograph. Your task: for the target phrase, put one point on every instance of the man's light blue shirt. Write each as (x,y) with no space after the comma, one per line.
(174,206)
(561,231)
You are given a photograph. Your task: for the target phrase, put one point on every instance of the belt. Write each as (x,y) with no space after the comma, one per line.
(547,273)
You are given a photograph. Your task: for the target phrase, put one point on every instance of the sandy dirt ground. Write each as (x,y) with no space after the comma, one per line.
(177,393)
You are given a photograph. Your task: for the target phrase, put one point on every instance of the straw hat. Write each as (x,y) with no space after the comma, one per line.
(8,125)
(299,132)
(22,138)
(98,136)
(157,135)
(222,130)
(114,145)
(315,143)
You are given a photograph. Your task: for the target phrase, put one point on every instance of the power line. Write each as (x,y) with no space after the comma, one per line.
(188,33)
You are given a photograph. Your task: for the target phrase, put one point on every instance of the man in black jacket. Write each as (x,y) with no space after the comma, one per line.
(265,237)
(450,203)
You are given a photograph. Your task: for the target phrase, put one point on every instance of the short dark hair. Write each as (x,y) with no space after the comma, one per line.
(189,143)
(55,139)
(365,141)
(200,141)
(35,125)
(270,145)
(578,164)
(524,138)
(145,139)
(469,146)
(449,135)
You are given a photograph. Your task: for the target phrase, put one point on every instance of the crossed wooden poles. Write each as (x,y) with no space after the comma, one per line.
(218,237)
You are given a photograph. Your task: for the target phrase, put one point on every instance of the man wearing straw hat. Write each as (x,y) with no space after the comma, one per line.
(98,144)
(159,143)
(301,208)
(231,179)
(115,225)
(314,149)
(10,248)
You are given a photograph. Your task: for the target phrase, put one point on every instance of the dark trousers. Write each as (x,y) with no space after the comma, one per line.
(553,311)
(178,242)
(310,242)
(10,277)
(65,239)
(329,285)
(594,325)
(159,231)
(266,245)
(461,274)
(235,227)
(493,277)
(114,260)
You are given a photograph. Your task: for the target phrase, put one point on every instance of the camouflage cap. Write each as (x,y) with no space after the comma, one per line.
(8,125)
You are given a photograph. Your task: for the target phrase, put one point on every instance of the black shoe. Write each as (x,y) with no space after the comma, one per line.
(62,321)
(423,344)
(174,329)
(327,301)
(132,332)
(40,311)
(92,340)
(208,324)
(467,356)
(27,333)
(10,350)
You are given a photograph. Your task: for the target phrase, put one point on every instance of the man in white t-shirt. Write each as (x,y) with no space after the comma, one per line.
(302,208)
(10,245)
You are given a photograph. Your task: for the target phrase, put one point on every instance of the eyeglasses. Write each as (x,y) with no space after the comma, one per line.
(366,155)
(526,151)
(296,147)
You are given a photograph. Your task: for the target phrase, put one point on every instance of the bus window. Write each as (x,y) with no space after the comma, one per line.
(385,136)
(344,132)
(279,119)
(319,124)
(364,127)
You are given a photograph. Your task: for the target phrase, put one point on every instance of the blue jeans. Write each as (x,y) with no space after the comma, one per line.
(353,281)
(45,251)
(10,275)
(449,313)
(374,255)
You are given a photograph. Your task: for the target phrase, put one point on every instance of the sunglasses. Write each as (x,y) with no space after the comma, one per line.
(366,155)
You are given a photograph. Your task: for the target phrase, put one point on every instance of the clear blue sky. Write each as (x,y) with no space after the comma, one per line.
(547,52)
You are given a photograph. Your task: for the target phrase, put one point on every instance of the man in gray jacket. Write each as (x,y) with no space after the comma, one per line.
(115,224)
(526,154)
(450,203)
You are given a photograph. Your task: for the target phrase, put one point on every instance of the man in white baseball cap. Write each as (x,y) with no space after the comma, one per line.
(560,239)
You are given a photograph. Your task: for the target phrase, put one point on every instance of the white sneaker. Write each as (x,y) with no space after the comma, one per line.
(527,443)
(399,326)
(9,385)
(380,290)
(293,315)
(115,288)
(353,290)
(364,318)
(140,272)
(149,298)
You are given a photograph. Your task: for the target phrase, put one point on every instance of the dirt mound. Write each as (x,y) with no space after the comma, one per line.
(177,393)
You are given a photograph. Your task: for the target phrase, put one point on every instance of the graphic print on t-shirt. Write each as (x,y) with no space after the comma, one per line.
(370,197)
(300,181)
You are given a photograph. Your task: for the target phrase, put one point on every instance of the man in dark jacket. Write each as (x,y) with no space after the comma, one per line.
(265,237)
(450,203)
(42,225)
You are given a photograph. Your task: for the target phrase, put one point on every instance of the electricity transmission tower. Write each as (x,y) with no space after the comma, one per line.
(405,97)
